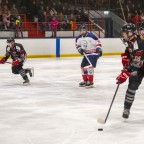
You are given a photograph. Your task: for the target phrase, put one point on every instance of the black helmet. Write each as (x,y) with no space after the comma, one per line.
(129,27)
(83,27)
(141,26)
(9,40)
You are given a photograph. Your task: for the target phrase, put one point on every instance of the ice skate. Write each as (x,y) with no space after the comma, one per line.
(26,82)
(126,113)
(89,84)
(82,84)
(31,71)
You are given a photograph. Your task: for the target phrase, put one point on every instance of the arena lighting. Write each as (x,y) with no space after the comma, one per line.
(106,12)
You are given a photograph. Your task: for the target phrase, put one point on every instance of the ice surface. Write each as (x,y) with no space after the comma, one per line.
(54,110)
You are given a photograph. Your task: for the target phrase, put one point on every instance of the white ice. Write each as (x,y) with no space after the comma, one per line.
(54,110)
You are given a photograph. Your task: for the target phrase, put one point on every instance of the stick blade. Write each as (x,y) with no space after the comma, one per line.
(101,121)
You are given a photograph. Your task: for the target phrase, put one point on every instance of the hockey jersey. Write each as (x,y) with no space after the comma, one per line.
(90,43)
(16,52)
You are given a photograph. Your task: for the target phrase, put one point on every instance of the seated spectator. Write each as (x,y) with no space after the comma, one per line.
(14,10)
(65,23)
(137,19)
(72,20)
(5,9)
(142,16)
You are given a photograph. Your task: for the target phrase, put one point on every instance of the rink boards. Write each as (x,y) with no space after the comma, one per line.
(61,47)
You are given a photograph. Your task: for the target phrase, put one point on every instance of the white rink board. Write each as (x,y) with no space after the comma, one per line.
(67,46)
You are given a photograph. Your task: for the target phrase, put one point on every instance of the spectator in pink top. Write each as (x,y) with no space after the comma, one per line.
(54,24)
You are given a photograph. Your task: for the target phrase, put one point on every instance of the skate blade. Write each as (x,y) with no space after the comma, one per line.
(32,70)
(87,87)
(81,86)
(25,84)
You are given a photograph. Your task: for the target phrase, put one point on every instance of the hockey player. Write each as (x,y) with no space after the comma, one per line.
(133,64)
(18,55)
(89,44)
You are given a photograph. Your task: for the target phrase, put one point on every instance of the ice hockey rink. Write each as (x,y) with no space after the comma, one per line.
(54,110)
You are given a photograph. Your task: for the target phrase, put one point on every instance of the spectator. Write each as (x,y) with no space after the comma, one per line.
(17,25)
(33,9)
(6,20)
(14,10)
(54,24)
(5,9)
(65,23)
(137,19)
(142,16)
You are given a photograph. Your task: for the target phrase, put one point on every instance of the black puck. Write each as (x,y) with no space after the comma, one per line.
(100,129)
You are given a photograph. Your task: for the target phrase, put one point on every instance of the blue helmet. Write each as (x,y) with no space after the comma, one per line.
(83,27)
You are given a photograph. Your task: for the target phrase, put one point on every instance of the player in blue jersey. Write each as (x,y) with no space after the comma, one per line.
(89,44)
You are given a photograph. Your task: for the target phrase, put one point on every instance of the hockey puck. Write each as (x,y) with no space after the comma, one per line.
(100,129)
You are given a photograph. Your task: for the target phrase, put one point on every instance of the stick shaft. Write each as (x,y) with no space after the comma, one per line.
(87,58)
(111,104)
(8,62)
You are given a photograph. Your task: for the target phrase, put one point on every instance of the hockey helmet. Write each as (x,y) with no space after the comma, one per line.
(141,26)
(128,32)
(141,30)
(9,40)
(129,27)
(83,27)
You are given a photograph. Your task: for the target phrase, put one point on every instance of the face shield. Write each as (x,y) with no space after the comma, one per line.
(127,35)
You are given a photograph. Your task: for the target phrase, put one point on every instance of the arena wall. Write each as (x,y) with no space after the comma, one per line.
(61,47)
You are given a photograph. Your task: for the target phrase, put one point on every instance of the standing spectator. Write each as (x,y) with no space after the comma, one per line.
(41,17)
(33,9)
(54,23)
(6,20)
(17,25)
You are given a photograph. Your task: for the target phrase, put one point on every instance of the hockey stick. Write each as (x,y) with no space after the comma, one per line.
(87,58)
(100,120)
(8,62)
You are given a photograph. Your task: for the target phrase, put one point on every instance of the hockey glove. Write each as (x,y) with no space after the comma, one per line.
(99,51)
(125,59)
(15,63)
(123,77)
(81,50)
(2,61)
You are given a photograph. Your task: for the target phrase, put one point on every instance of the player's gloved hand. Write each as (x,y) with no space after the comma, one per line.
(16,62)
(125,59)
(81,50)
(99,51)
(2,61)
(123,77)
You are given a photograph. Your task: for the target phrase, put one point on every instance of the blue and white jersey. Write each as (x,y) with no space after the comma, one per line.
(90,43)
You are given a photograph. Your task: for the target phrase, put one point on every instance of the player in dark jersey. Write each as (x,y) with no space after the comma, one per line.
(133,64)
(18,54)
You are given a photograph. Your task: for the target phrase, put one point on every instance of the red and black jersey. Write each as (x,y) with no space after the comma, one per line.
(16,52)
(135,50)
